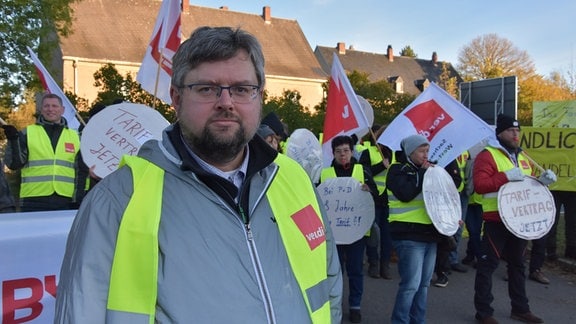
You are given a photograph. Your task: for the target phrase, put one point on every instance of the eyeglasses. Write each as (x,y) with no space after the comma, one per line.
(209,93)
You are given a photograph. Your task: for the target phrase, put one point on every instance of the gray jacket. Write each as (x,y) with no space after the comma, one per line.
(207,270)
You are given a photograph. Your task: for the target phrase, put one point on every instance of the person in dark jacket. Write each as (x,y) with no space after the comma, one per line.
(351,255)
(413,235)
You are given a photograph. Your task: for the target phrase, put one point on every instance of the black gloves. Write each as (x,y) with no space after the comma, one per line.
(10,131)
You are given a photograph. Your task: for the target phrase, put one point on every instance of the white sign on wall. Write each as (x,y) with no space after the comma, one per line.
(350,210)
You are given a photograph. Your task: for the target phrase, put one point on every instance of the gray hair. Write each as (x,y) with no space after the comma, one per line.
(52,96)
(210,44)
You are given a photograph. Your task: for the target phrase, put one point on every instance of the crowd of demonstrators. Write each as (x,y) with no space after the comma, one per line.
(46,155)
(414,237)
(495,166)
(565,200)
(378,157)
(351,256)
(228,218)
(447,244)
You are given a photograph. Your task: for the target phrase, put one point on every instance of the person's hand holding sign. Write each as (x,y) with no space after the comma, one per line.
(514,174)
(547,177)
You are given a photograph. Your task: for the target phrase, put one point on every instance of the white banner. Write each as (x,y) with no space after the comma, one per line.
(32,246)
(350,210)
(450,127)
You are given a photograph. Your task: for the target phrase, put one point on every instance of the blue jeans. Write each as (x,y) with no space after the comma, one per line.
(415,265)
(352,260)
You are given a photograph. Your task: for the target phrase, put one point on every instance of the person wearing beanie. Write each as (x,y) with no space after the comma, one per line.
(495,166)
(268,134)
(414,237)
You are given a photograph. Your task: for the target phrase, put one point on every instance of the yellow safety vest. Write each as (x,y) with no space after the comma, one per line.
(413,211)
(503,163)
(133,280)
(461,160)
(48,170)
(357,173)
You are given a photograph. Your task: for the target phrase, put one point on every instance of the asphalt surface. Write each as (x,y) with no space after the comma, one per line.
(554,303)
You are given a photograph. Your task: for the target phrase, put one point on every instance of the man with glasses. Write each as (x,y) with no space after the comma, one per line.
(210,224)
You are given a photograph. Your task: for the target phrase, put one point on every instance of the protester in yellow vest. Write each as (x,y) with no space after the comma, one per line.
(209,224)
(413,235)
(351,255)
(499,163)
(378,159)
(46,154)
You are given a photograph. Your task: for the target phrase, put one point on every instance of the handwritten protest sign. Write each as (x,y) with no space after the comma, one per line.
(350,210)
(442,200)
(527,208)
(117,130)
(305,148)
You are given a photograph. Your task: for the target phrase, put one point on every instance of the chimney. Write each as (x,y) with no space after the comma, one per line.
(351,47)
(267,14)
(341,46)
(390,53)
(434,58)
(225,8)
(185,6)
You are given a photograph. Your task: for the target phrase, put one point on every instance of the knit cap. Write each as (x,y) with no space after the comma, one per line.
(412,142)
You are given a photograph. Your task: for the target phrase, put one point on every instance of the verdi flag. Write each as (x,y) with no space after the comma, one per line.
(449,126)
(156,69)
(51,86)
(344,113)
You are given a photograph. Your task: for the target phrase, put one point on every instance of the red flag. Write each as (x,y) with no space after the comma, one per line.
(344,114)
(51,86)
(156,69)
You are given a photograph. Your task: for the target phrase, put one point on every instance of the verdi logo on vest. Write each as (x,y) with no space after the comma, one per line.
(310,225)
(69,147)
(428,118)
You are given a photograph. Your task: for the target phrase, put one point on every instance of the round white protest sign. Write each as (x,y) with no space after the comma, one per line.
(305,149)
(442,200)
(350,210)
(526,208)
(118,130)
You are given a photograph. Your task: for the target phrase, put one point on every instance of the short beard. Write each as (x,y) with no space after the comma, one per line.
(216,150)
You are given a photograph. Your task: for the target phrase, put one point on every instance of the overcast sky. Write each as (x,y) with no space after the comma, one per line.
(544,29)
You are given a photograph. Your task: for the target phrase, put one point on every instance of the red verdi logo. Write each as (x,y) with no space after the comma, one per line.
(428,118)
(310,225)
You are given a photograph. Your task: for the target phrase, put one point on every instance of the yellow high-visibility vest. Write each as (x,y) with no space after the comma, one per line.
(49,171)
(133,281)
(503,163)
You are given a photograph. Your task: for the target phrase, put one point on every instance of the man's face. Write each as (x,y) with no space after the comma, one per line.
(51,110)
(218,131)
(510,137)
(343,154)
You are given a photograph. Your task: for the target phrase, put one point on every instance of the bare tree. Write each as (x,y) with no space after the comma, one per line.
(490,56)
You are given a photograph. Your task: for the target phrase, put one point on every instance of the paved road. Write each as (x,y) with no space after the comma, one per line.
(555,303)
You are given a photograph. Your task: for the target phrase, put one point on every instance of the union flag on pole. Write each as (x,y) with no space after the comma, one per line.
(51,86)
(344,114)
(449,126)
(156,69)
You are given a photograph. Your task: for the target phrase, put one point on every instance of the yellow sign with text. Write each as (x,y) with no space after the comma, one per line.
(555,149)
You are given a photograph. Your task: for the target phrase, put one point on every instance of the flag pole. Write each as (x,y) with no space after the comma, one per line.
(157,77)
